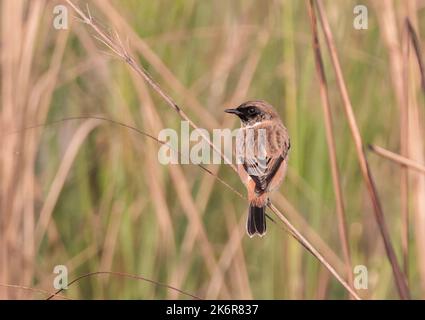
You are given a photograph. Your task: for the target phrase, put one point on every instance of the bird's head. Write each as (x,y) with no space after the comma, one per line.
(252,112)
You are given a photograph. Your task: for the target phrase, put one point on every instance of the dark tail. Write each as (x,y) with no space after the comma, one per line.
(256,221)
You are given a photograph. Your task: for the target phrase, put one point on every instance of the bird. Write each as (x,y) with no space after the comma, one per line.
(262,149)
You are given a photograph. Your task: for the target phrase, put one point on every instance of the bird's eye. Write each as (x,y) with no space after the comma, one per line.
(252,111)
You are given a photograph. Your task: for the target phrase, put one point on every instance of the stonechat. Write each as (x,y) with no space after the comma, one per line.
(262,147)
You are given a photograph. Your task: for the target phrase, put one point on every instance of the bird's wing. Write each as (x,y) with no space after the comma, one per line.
(262,177)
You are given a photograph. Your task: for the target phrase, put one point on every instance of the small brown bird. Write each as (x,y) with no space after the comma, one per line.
(262,147)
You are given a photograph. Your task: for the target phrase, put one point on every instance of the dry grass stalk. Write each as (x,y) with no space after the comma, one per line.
(404,151)
(34,290)
(118,48)
(342,224)
(364,166)
(412,164)
(418,52)
(415,77)
(398,56)
(124,275)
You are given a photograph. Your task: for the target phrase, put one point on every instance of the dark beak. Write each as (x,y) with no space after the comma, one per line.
(234,111)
